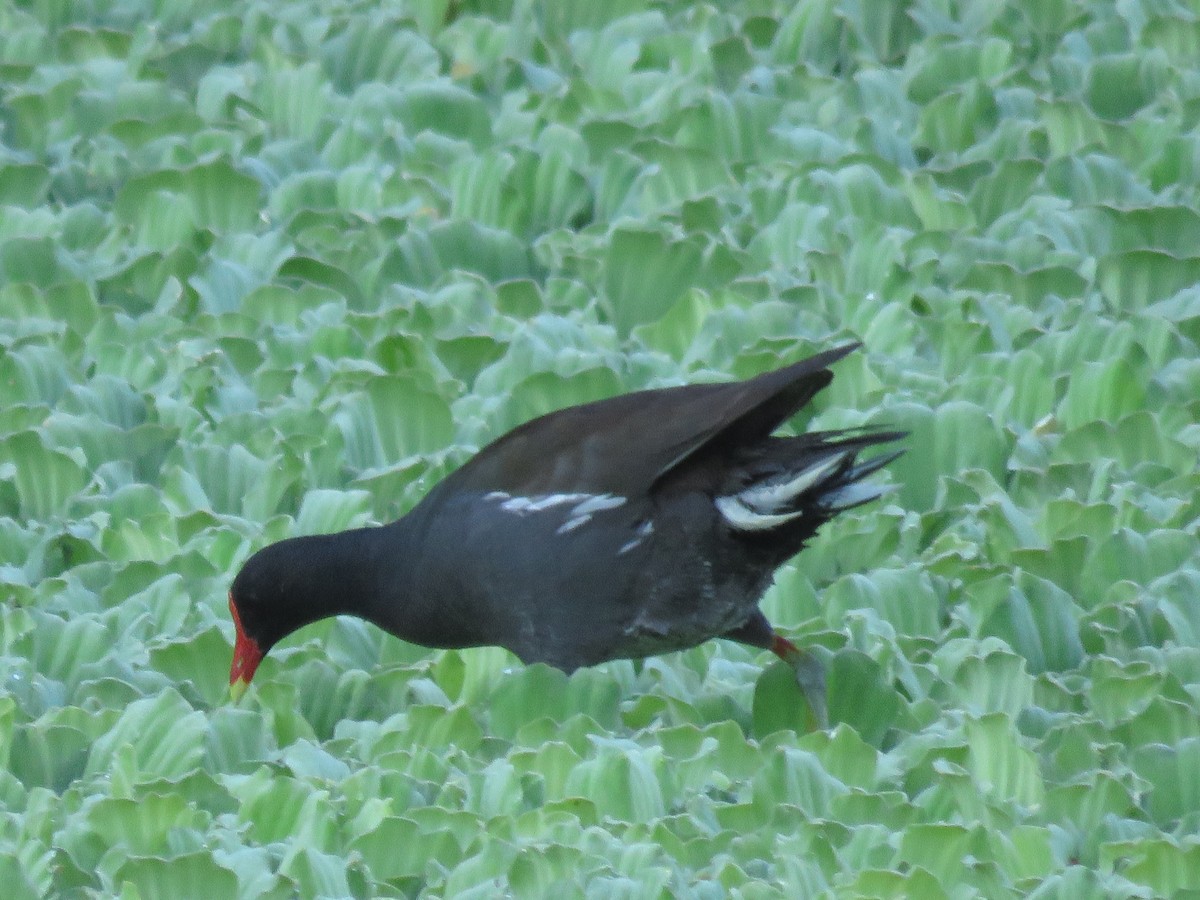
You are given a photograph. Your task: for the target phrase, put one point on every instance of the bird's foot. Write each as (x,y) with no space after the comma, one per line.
(810,675)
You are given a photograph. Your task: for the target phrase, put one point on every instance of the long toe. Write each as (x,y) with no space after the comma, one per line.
(810,675)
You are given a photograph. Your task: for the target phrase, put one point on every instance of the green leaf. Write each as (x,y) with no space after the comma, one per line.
(480,193)
(164,219)
(476,874)
(557,194)
(905,598)
(397,847)
(63,649)
(779,704)
(861,696)
(393,420)
(236,740)
(324,511)
(537,691)
(957,120)
(236,481)
(559,20)
(294,100)
(944,442)
(1119,85)
(305,272)
(439,106)
(793,776)
(1165,867)
(219,197)
(625,783)
(937,65)
(546,392)
(1127,555)
(937,208)
(813,33)
(36,374)
(1005,188)
(317,874)
(278,808)
(423,257)
(1174,792)
(675,175)
(847,757)
(1086,806)
(995,682)
(142,827)
(47,755)
(999,765)
(1138,278)
(32,260)
(645,273)
(1104,391)
(159,878)
(45,480)
(158,737)
(547,873)
(195,660)
(378,49)
(16,883)
(1093,178)
(23,184)
(1037,619)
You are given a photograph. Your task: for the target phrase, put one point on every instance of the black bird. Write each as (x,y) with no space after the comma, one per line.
(624,528)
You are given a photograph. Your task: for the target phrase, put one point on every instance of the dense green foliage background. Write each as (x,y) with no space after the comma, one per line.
(275,267)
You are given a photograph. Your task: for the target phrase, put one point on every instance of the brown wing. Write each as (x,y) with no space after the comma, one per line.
(624,444)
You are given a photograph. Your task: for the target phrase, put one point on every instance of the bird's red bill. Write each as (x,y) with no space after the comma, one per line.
(246,657)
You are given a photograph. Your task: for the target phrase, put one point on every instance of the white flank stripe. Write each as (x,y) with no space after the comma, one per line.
(572,524)
(741,517)
(598,502)
(584,506)
(642,533)
(539,503)
(771,495)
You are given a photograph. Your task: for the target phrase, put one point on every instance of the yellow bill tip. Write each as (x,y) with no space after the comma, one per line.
(237,688)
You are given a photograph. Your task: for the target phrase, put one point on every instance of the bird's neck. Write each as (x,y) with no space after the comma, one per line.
(372,573)
(363,572)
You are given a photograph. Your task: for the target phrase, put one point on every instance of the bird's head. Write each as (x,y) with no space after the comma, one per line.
(262,615)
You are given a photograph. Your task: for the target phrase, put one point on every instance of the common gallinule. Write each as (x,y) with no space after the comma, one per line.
(623,528)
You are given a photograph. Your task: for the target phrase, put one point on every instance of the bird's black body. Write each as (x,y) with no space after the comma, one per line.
(628,527)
